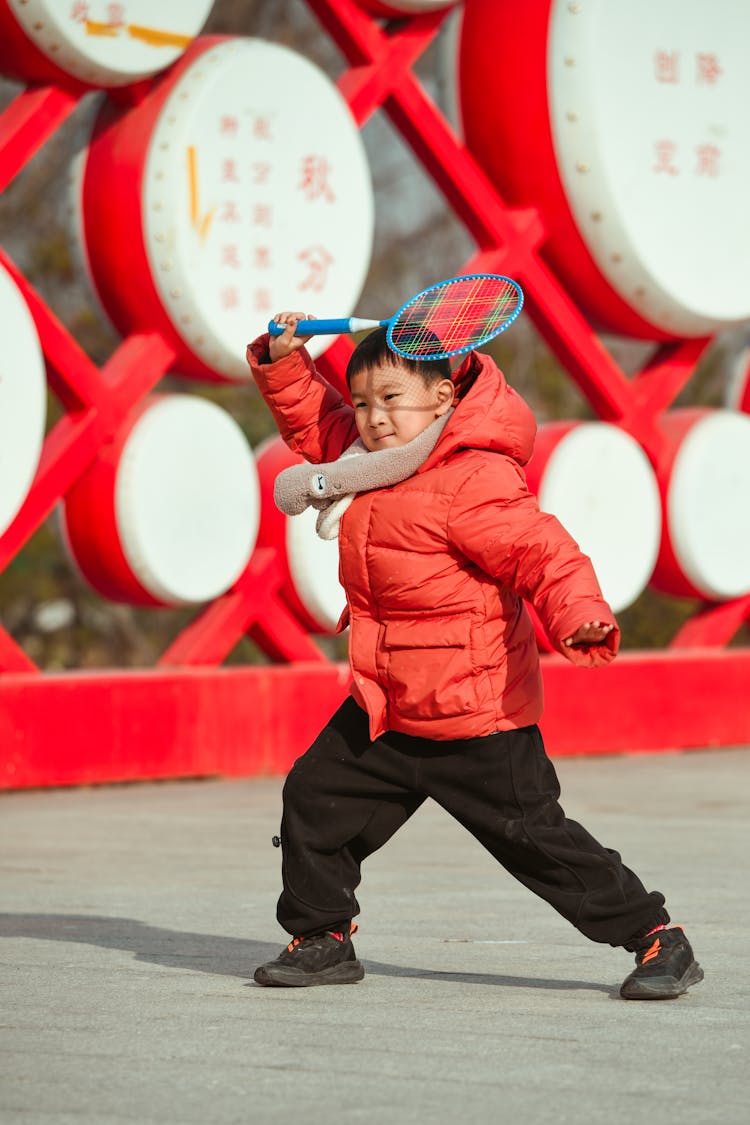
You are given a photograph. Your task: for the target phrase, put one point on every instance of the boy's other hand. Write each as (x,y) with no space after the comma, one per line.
(592,633)
(281,346)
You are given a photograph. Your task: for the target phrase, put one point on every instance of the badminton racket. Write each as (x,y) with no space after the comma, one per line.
(445,320)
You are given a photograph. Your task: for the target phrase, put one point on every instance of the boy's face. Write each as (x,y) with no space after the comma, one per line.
(392,405)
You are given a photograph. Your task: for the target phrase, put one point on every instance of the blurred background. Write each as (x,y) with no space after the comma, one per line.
(44,604)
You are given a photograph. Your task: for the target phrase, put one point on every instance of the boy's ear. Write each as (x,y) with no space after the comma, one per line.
(445,395)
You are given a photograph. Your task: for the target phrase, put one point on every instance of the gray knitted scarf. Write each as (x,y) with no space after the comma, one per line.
(331,487)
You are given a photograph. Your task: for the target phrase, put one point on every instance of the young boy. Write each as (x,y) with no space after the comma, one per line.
(446,685)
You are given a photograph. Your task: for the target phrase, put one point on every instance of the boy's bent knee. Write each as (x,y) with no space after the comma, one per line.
(297,786)
(308,778)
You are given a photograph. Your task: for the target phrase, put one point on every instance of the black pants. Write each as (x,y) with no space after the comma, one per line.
(347,795)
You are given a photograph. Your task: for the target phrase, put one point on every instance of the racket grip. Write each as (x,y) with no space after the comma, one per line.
(326,327)
(313,327)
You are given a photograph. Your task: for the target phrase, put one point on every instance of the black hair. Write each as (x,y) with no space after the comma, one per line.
(374,352)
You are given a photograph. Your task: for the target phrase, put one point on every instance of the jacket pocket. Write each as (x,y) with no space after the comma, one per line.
(430,668)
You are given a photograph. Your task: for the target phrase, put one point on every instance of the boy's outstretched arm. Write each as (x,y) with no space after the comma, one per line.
(496,522)
(311,415)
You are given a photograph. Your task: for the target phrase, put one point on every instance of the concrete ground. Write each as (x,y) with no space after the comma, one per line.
(132,917)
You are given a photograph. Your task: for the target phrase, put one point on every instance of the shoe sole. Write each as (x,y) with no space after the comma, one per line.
(661,988)
(284,976)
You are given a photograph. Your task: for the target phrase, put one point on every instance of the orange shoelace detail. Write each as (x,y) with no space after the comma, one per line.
(339,937)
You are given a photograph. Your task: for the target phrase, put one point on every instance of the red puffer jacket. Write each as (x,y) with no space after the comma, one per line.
(435,568)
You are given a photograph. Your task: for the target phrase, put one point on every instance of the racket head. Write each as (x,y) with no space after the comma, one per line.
(455,316)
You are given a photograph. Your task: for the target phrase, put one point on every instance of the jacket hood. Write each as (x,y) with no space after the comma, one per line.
(488,414)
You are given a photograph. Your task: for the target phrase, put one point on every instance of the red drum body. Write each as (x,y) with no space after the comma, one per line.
(400,8)
(168,513)
(623,123)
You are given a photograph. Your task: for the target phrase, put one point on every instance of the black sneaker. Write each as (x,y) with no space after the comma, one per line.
(664,968)
(326,958)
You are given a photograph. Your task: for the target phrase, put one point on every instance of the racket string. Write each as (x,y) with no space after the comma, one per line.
(456,316)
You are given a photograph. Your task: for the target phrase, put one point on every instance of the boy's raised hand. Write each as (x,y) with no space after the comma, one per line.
(284,345)
(591,633)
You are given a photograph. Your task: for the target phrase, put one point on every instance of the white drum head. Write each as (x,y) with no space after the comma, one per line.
(314,569)
(649,115)
(600,485)
(254,200)
(23,400)
(187,500)
(708,505)
(108,44)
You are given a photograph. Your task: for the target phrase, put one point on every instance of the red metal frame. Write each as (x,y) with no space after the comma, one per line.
(197,718)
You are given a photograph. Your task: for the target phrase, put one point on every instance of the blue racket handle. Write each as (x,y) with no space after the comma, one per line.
(326,327)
